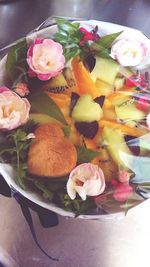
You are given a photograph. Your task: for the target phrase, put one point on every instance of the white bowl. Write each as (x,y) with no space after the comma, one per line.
(7,171)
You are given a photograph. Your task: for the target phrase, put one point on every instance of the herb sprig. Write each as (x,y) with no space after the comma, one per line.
(69,37)
(14,148)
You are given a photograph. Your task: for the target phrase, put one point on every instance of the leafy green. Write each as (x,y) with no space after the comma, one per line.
(67,130)
(85,155)
(69,36)
(42,103)
(41,186)
(102,46)
(107,40)
(16,64)
(78,206)
(14,148)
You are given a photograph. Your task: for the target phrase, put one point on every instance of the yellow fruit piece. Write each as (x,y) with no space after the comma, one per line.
(109,113)
(87,110)
(108,166)
(115,143)
(125,129)
(105,70)
(104,161)
(103,87)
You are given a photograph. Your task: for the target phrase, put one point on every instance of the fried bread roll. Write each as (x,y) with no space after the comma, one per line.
(51,154)
(48,130)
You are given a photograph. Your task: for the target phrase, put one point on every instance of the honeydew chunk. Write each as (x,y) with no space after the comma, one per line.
(129,112)
(115,144)
(119,83)
(104,88)
(86,110)
(105,70)
(120,100)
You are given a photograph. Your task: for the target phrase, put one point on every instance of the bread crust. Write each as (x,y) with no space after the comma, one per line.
(51,155)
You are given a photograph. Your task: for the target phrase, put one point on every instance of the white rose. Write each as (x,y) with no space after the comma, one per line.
(86,179)
(132,48)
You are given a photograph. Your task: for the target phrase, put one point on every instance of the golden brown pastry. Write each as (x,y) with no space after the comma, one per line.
(51,155)
(48,130)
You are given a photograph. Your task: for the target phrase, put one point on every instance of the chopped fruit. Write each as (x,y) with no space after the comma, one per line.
(119,83)
(42,118)
(83,79)
(108,166)
(74,136)
(105,70)
(129,113)
(104,160)
(109,114)
(119,98)
(125,129)
(60,99)
(86,110)
(88,129)
(57,84)
(63,102)
(126,72)
(68,74)
(115,143)
(74,99)
(104,88)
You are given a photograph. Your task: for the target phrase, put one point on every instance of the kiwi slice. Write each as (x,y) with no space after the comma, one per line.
(56,84)
(68,74)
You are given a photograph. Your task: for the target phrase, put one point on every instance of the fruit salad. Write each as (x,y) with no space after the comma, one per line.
(80,136)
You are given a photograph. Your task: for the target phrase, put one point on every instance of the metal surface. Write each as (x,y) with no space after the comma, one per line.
(18,17)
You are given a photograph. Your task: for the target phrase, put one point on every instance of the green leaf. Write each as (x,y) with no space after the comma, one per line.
(65,25)
(42,103)
(16,64)
(42,187)
(71,53)
(105,54)
(69,36)
(67,130)
(85,155)
(107,40)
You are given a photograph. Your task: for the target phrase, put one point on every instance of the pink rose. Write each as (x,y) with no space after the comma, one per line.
(45,59)
(14,110)
(123,192)
(86,179)
(21,89)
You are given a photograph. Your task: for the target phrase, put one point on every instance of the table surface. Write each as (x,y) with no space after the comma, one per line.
(18,17)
